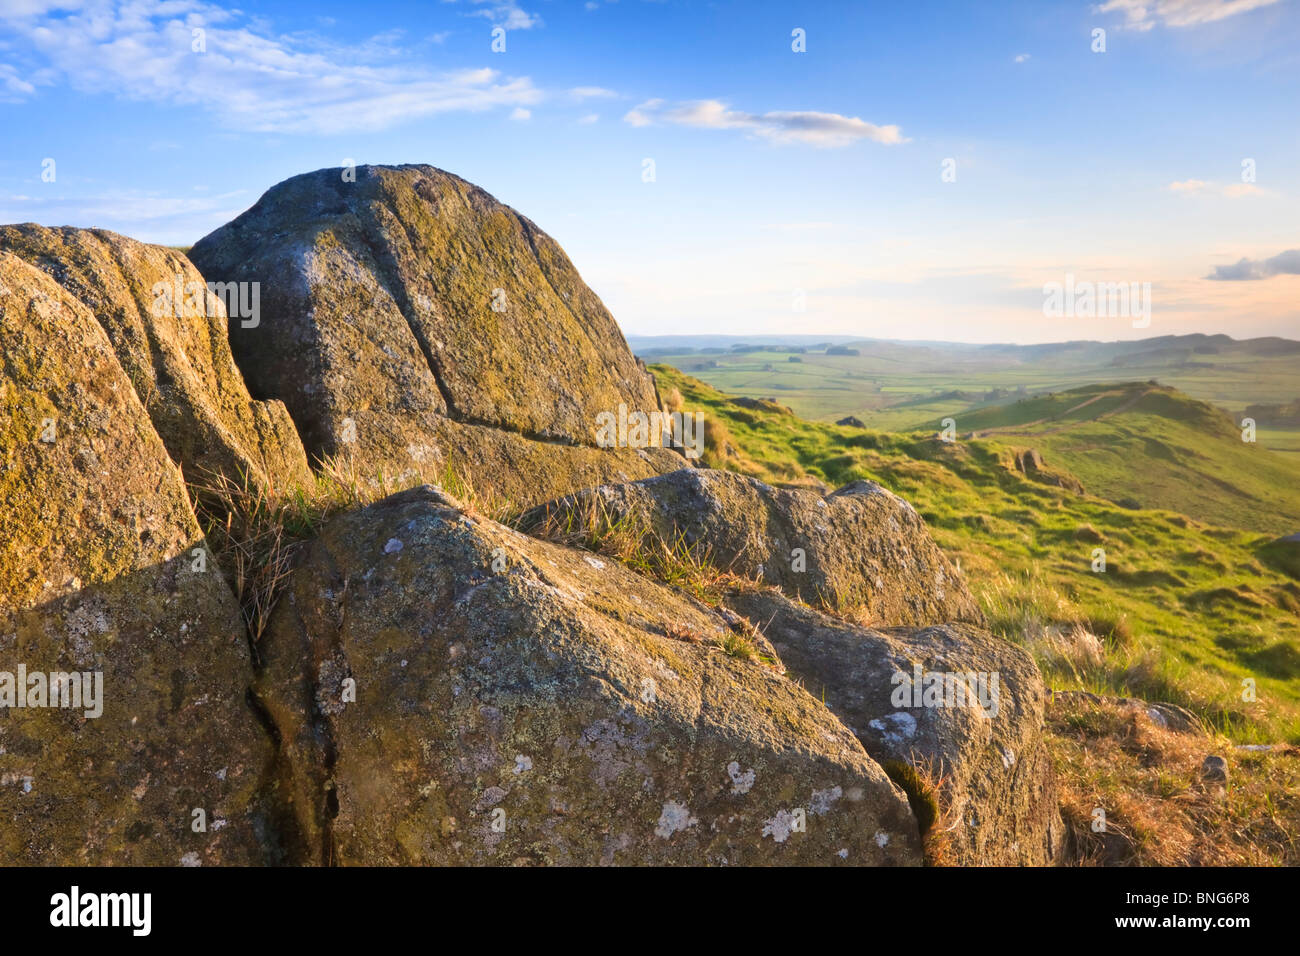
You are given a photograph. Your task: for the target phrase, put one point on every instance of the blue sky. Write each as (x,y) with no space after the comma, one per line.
(792,191)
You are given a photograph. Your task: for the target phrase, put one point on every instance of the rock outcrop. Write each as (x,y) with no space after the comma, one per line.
(408,318)
(169,334)
(952,701)
(448,690)
(860,546)
(102,572)
(1029,462)
(432,687)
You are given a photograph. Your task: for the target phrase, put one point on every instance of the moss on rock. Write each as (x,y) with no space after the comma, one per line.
(100,561)
(408,316)
(169,334)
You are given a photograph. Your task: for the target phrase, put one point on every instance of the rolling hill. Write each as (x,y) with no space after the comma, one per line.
(1150,446)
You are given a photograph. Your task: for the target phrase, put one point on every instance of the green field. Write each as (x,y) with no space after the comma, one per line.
(896,386)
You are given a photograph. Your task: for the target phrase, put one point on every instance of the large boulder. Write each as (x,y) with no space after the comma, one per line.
(449,691)
(169,334)
(962,708)
(858,548)
(103,572)
(401,298)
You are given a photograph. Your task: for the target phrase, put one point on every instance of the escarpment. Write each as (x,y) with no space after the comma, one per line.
(649,664)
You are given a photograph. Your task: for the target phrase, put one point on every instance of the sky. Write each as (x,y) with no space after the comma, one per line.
(911,170)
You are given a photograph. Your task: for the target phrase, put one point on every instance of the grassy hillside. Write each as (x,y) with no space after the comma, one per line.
(1186,608)
(1149,446)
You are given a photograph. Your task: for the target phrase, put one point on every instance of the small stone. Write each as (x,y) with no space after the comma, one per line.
(1215,769)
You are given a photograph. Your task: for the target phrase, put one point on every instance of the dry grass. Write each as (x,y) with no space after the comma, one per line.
(635,544)
(254,530)
(1158,810)
(676,563)
(927,794)
(253,535)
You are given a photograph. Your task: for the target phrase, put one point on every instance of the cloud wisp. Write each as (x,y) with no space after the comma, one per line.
(1200,187)
(1145,14)
(783,127)
(192,53)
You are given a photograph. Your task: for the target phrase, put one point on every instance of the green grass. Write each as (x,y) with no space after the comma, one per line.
(1185,610)
(1152,446)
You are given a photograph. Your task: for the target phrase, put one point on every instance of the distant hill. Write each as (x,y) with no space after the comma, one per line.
(904,385)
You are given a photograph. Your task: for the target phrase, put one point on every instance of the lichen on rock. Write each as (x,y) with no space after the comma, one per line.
(407,315)
(170,335)
(858,548)
(473,645)
(103,571)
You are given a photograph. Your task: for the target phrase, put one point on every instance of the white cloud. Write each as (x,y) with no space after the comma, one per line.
(507,13)
(148,216)
(249,78)
(591,93)
(1022,57)
(589,119)
(823,130)
(640,115)
(521,114)
(1144,14)
(13,88)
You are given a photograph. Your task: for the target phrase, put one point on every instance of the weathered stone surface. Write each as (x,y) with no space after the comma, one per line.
(409,297)
(507,468)
(862,546)
(1214,769)
(97,574)
(169,334)
(555,708)
(998,786)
